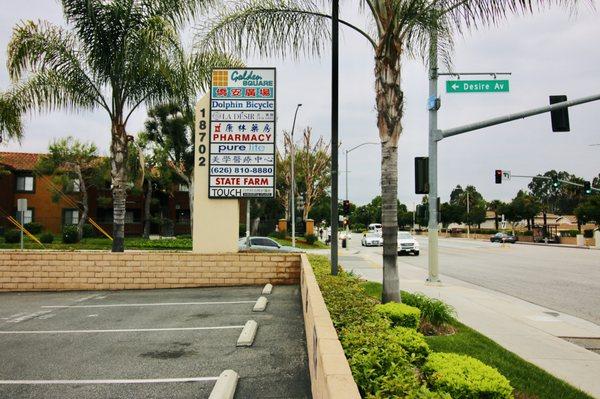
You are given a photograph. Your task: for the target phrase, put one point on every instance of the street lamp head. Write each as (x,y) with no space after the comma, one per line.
(299,105)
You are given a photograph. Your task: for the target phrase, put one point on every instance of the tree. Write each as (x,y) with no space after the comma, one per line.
(401,29)
(116,56)
(589,211)
(525,206)
(495,206)
(76,167)
(562,199)
(313,169)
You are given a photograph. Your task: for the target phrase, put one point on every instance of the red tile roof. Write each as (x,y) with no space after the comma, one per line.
(19,160)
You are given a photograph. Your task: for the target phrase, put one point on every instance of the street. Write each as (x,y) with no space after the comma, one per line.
(564,279)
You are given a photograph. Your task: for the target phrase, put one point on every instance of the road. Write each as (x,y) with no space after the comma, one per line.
(564,279)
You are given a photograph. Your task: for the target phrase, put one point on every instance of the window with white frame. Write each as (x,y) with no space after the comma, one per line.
(71,216)
(184,187)
(25,183)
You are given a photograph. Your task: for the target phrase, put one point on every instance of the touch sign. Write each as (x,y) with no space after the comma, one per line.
(242,133)
(477,86)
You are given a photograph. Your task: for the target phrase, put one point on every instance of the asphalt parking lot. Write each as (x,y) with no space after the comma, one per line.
(151,344)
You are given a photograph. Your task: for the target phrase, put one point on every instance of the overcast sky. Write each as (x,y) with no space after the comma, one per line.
(552,52)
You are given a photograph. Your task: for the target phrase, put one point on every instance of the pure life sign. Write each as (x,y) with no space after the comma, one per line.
(242,133)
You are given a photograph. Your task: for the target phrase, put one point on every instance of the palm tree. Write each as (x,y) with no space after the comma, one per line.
(117,56)
(401,28)
(496,207)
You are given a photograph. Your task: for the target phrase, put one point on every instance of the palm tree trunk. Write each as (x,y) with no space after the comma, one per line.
(118,150)
(84,202)
(147,203)
(389,112)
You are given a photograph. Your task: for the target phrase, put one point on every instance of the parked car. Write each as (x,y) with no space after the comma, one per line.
(371,240)
(375,228)
(503,237)
(407,243)
(264,244)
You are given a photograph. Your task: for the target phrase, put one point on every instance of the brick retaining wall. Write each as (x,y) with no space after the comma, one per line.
(89,270)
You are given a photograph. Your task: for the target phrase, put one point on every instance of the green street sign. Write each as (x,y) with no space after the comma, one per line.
(477,86)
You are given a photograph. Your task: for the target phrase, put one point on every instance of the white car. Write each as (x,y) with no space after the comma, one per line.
(371,240)
(407,244)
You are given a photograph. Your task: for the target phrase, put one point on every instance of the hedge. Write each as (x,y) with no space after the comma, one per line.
(400,314)
(464,377)
(389,361)
(12,236)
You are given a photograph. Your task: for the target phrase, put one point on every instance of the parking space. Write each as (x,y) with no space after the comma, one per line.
(151,344)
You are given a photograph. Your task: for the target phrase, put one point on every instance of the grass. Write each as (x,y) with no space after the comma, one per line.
(528,380)
(300,243)
(98,243)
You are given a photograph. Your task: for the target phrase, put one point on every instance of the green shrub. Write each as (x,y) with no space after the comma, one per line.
(12,236)
(33,228)
(527,233)
(400,314)
(588,233)
(358,227)
(47,238)
(464,377)
(433,310)
(88,231)
(69,235)
(278,234)
(310,239)
(242,230)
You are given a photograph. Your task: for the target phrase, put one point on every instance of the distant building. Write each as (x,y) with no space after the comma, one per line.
(18,180)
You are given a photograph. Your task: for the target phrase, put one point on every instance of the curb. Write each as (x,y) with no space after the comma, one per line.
(225,386)
(556,245)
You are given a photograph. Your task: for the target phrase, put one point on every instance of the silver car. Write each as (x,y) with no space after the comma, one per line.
(372,240)
(264,244)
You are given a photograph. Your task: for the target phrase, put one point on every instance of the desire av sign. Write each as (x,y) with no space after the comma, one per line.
(242,133)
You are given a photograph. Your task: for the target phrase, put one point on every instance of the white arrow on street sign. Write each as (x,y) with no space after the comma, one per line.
(455,86)
(506,174)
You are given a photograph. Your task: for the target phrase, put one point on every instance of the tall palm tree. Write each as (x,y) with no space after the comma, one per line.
(116,56)
(401,28)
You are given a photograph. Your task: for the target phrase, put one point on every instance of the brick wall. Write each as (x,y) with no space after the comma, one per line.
(60,271)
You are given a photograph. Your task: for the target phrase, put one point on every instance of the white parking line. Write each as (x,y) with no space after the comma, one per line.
(120,330)
(117,305)
(138,381)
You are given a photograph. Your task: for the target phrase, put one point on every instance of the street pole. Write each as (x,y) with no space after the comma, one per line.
(248,222)
(335,14)
(468,217)
(293,179)
(433,106)
(347,174)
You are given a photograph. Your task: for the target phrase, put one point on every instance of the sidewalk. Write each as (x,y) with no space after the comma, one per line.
(530,331)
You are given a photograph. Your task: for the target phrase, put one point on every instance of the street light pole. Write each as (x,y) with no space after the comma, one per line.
(468,217)
(293,180)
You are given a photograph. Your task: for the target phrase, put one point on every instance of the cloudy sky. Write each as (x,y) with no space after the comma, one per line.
(552,52)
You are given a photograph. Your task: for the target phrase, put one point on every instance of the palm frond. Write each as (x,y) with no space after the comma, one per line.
(10,118)
(268,27)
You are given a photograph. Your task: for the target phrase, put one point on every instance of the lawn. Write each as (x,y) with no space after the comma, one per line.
(177,244)
(528,380)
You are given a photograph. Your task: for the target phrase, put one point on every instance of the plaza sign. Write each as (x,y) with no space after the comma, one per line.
(242,133)
(477,86)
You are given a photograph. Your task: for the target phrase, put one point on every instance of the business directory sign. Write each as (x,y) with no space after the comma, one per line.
(242,133)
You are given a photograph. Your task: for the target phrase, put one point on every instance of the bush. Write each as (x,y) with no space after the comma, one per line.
(69,235)
(88,231)
(310,239)
(400,314)
(527,233)
(588,233)
(12,236)
(569,233)
(464,377)
(278,234)
(47,238)
(33,228)
(242,230)
(433,311)
(358,227)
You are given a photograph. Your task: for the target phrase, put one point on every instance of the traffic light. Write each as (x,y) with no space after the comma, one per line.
(346,207)
(498,175)
(560,117)
(421,175)
(555,182)
(587,187)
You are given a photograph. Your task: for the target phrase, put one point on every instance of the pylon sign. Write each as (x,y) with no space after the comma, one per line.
(242,133)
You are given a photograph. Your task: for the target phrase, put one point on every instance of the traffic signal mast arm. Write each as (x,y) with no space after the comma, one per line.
(442,134)
(558,180)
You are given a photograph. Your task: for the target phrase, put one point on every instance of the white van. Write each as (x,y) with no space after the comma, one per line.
(375,228)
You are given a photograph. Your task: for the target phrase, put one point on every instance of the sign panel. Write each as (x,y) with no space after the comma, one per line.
(242,133)
(506,174)
(477,86)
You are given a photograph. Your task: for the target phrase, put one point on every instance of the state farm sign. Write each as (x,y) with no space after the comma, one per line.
(242,133)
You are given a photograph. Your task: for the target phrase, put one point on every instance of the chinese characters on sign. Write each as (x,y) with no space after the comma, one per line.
(242,133)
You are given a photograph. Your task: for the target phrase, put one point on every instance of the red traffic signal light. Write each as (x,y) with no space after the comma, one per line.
(346,207)
(498,176)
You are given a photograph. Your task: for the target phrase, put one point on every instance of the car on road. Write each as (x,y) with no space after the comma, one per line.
(371,240)
(407,244)
(264,244)
(503,237)
(375,228)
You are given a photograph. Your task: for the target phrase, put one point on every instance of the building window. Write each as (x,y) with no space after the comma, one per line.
(25,184)
(133,216)
(70,216)
(184,188)
(183,216)
(27,216)
(75,186)
(128,217)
